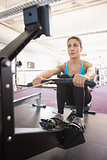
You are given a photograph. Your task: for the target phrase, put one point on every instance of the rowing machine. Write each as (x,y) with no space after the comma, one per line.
(23,143)
(54,122)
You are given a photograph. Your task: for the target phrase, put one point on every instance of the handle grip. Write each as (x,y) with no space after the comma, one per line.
(29,84)
(91,84)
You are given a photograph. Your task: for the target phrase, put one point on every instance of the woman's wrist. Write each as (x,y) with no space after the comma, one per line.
(87,77)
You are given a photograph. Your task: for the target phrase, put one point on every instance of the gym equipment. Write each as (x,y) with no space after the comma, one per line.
(57,123)
(86,109)
(91,84)
(18,64)
(64,81)
(72,134)
(54,122)
(25,99)
(23,143)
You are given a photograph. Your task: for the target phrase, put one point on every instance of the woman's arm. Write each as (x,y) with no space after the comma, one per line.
(79,80)
(47,74)
(90,70)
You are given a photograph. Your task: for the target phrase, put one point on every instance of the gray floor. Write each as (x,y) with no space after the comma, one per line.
(95,147)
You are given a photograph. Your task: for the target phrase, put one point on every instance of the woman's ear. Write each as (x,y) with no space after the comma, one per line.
(81,49)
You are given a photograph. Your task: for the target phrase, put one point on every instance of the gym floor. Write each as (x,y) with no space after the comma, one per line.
(94,148)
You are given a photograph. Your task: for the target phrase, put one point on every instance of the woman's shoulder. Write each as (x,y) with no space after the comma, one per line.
(62,66)
(87,64)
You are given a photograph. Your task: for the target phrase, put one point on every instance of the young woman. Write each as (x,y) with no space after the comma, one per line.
(76,93)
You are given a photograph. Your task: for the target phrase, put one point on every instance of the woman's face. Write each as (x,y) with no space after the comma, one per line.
(74,48)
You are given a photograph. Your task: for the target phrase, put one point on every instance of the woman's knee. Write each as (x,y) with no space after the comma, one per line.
(78,89)
(88,99)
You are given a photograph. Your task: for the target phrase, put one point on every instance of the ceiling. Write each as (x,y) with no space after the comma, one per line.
(85,18)
(59,7)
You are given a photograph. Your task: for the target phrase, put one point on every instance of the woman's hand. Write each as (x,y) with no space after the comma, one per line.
(79,80)
(37,80)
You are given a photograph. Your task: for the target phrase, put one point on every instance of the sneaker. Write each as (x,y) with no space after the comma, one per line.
(59,116)
(78,122)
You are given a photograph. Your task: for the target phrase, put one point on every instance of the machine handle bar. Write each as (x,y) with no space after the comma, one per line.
(90,83)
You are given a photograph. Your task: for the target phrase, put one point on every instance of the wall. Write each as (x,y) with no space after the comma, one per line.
(80,21)
(41,62)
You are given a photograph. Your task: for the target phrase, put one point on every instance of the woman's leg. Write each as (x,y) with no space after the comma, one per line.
(82,97)
(88,96)
(64,94)
(77,96)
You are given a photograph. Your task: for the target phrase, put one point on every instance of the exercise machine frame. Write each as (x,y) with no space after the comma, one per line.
(23,143)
